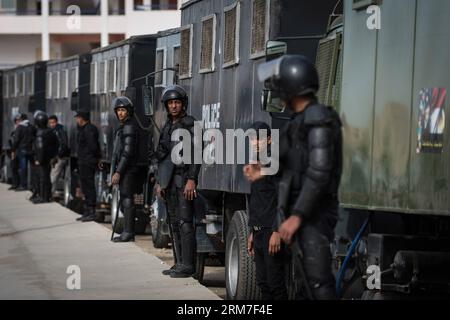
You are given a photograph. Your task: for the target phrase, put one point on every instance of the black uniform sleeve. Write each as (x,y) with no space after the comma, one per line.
(17,138)
(194,169)
(129,148)
(318,173)
(163,147)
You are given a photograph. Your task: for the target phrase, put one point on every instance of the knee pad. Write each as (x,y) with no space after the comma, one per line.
(186,226)
(127,202)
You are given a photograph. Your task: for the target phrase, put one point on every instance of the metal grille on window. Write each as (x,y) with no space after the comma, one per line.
(159,66)
(12,85)
(258,26)
(124,72)
(63,85)
(48,85)
(325,63)
(20,84)
(72,80)
(5,86)
(100,77)
(29,82)
(55,85)
(93,84)
(185,53)
(206,57)
(176,58)
(112,75)
(229,50)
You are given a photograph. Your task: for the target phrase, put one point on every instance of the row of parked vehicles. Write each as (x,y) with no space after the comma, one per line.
(395,188)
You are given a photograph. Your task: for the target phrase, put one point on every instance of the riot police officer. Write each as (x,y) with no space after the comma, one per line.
(311,164)
(45,147)
(125,171)
(177,182)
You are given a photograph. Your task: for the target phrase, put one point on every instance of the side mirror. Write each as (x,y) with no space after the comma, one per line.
(130,93)
(74,101)
(275,49)
(147,99)
(271,103)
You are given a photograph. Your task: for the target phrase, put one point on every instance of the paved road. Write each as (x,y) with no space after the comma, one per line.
(39,242)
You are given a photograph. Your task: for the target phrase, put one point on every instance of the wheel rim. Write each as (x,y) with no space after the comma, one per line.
(115,206)
(233,266)
(67,195)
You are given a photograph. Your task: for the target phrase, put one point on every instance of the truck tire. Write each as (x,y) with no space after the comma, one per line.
(142,221)
(200,266)
(68,195)
(160,240)
(240,272)
(117,226)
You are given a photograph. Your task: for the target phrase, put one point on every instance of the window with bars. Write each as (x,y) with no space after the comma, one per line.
(208,43)
(63,93)
(186,52)
(231,35)
(259,27)
(112,75)
(123,72)
(93,84)
(29,82)
(5,86)
(73,80)
(160,59)
(101,77)
(48,85)
(176,58)
(55,85)
(20,84)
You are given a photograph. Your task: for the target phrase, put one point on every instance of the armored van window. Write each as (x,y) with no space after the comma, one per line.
(93,84)
(176,58)
(73,79)
(112,75)
(55,85)
(29,82)
(186,52)
(260,27)
(21,84)
(208,44)
(12,85)
(101,77)
(123,72)
(160,64)
(63,84)
(231,35)
(5,86)
(48,85)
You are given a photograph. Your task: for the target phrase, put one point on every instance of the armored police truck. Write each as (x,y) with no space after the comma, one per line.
(67,82)
(222,44)
(395,185)
(123,68)
(24,92)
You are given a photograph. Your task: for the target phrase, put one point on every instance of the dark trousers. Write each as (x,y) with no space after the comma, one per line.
(87,181)
(15,172)
(270,270)
(23,160)
(181,213)
(44,184)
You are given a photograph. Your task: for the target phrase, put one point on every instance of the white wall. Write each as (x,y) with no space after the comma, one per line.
(17,50)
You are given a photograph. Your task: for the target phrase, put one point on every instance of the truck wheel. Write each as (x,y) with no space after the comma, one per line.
(160,240)
(200,266)
(142,221)
(240,273)
(115,210)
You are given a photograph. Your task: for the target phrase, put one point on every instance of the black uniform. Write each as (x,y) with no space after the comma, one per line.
(23,147)
(125,162)
(311,158)
(270,274)
(88,152)
(181,211)
(14,165)
(63,141)
(46,146)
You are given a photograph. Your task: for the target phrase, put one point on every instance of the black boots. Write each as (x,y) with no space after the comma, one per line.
(186,268)
(129,219)
(88,215)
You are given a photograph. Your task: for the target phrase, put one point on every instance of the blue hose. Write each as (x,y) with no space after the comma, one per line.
(349,255)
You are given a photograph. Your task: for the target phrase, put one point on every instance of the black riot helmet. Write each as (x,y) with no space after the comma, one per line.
(41,120)
(290,76)
(175,92)
(123,102)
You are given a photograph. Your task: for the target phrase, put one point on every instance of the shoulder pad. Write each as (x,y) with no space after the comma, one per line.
(317,114)
(188,121)
(128,130)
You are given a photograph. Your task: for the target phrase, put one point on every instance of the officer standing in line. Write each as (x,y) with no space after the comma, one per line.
(311,164)
(14,159)
(88,158)
(59,163)
(23,149)
(124,168)
(177,183)
(45,148)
